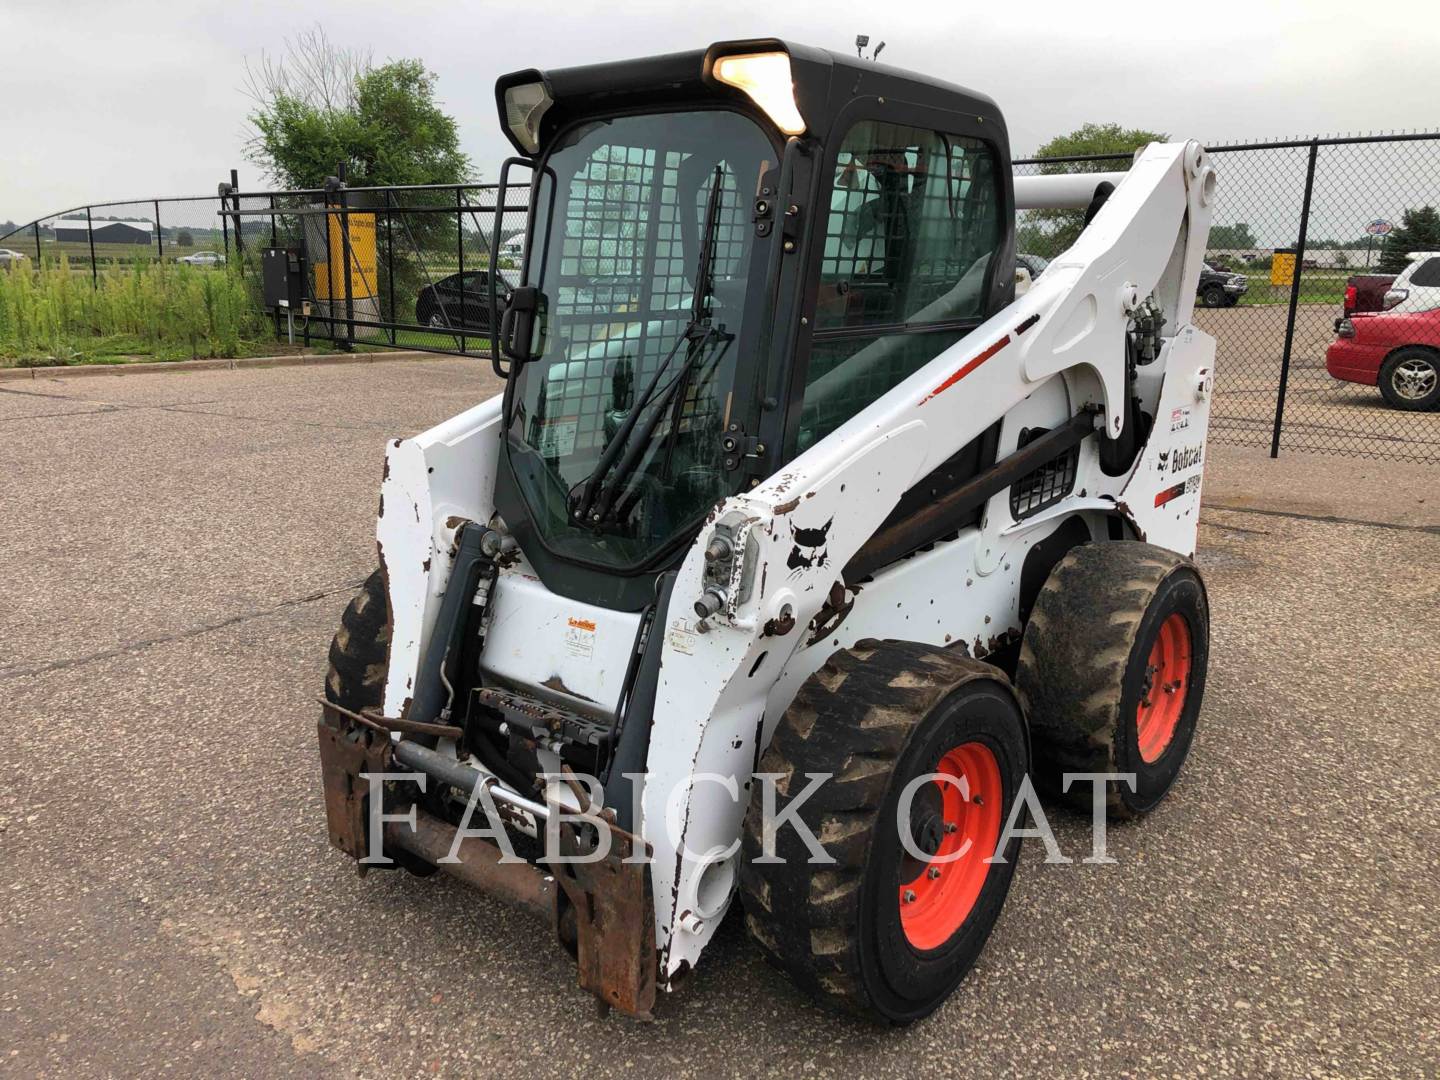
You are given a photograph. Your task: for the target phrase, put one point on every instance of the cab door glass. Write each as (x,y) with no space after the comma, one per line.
(914,222)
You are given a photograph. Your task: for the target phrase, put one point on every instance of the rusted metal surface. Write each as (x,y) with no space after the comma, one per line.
(542,719)
(349,746)
(839,602)
(376,722)
(614,919)
(519,884)
(602,912)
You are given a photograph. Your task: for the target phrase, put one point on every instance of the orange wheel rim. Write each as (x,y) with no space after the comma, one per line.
(938,900)
(1167,682)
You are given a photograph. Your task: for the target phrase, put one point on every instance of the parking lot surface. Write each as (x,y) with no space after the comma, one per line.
(177,549)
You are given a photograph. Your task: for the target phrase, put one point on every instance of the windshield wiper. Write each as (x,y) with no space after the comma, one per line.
(598,494)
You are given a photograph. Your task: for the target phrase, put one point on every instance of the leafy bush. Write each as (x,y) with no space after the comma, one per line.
(165,310)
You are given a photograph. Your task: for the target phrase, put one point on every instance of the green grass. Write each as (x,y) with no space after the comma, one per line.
(153,311)
(1316,287)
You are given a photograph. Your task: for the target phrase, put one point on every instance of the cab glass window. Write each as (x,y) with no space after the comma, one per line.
(913,225)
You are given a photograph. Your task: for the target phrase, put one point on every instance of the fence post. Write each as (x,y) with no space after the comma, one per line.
(274,226)
(390,260)
(460,260)
(39,258)
(345,258)
(1294,299)
(159,236)
(90,232)
(239,240)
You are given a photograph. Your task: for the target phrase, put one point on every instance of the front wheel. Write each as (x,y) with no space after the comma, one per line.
(1213,296)
(360,650)
(1410,379)
(926,752)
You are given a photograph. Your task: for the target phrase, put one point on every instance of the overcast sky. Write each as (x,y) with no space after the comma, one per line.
(115,99)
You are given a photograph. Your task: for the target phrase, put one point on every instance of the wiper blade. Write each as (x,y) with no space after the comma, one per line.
(598,496)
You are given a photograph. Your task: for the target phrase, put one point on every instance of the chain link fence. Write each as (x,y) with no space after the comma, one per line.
(1289,231)
(113,236)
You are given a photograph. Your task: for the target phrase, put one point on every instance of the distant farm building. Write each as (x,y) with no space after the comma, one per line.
(126,231)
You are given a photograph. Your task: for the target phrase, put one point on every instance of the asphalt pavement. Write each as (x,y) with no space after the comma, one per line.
(177,549)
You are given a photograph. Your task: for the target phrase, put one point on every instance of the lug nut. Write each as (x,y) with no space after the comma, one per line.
(933,873)
(950,827)
(909,896)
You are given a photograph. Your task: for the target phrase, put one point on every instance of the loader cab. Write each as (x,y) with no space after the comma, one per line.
(729,253)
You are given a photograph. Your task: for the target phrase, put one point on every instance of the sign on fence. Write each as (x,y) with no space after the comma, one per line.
(1282,267)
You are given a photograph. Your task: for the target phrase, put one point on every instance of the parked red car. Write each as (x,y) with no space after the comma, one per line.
(1398,351)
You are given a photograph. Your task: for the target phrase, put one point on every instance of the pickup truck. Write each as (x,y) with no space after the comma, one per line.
(1365,292)
(1220,288)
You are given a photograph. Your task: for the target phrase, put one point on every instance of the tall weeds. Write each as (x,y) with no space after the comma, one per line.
(160,310)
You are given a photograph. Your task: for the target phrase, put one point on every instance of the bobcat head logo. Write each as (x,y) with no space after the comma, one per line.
(810,548)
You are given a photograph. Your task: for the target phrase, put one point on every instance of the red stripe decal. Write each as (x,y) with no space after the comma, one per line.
(970,366)
(1169,493)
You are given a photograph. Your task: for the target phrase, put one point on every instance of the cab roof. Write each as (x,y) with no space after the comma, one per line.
(825,82)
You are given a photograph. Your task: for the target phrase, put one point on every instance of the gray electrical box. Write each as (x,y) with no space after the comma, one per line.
(283,275)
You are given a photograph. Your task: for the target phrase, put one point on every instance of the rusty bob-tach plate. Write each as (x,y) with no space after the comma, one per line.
(603,912)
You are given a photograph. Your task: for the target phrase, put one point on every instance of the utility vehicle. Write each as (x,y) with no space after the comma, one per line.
(806,491)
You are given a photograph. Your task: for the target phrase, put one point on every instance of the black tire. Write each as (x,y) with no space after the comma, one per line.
(1410,379)
(874,717)
(1084,670)
(360,651)
(1213,296)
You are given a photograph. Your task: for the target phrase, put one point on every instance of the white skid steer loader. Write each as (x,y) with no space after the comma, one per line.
(798,543)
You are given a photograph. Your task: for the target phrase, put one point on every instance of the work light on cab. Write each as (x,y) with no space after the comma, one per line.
(765,78)
(525,106)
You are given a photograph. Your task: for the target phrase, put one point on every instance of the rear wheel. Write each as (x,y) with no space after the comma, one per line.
(926,750)
(1112,670)
(1410,379)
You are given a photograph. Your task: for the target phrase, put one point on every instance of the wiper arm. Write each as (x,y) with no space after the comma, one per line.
(628,464)
(697,334)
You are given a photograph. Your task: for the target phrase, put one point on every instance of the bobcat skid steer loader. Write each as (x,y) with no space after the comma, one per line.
(797,542)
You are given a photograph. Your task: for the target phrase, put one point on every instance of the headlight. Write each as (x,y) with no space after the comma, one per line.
(525,105)
(765,78)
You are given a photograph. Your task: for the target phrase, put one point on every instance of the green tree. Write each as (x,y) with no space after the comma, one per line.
(1049,232)
(319,106)
(1419,231)
(184,238)
(1232,236)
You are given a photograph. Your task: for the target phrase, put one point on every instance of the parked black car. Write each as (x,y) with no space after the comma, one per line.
(462,301)
(1220,288)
